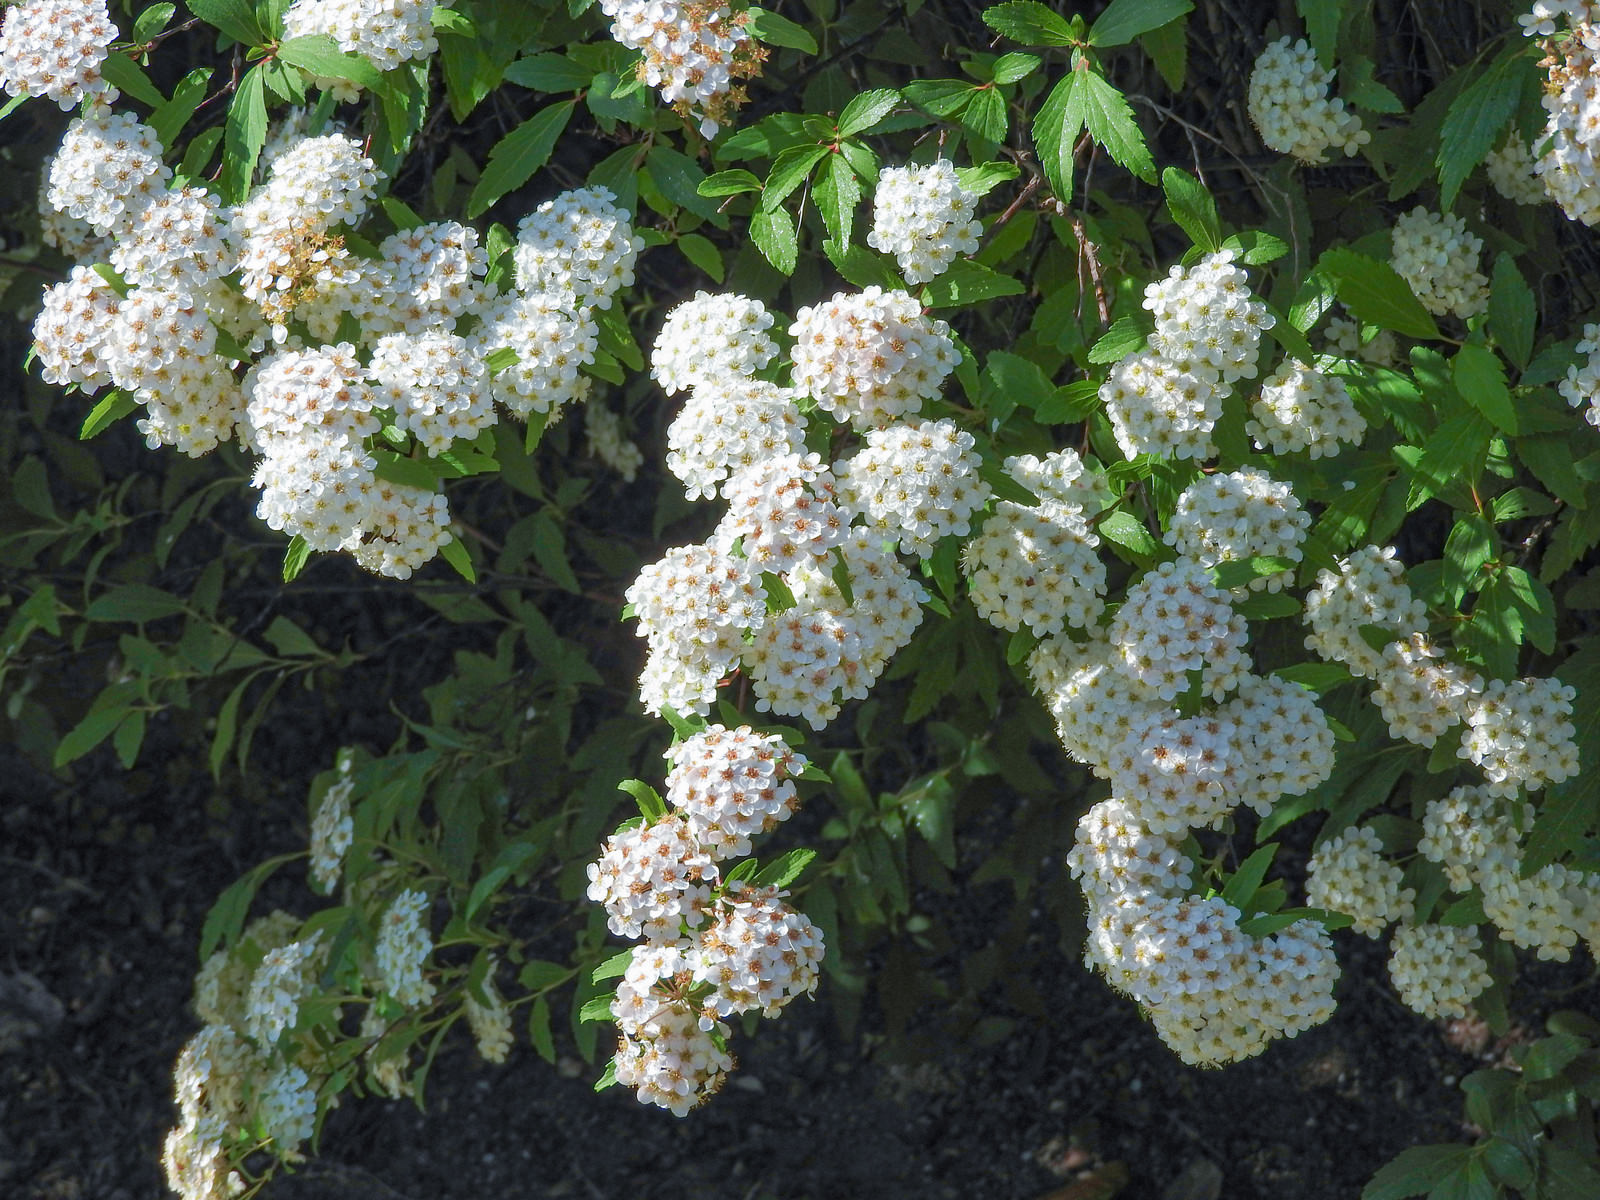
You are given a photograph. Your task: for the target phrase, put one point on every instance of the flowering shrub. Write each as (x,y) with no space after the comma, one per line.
(1282,521)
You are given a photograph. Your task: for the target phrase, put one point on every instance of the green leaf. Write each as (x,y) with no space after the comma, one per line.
(862,267)
(1168,48)
(838,192)
(1267,606)
(1070,403)
(651,806)
(1513,311)
(983,178)
(244,133)
(1481,380)
(454,553)
(1415,1171)
(865,110)
(1128,531)
(1469,546)
(597,1009)
(122,73)
(783,871)
(703,254)
(1110,122)
(985,115)
(968,282)
(1322,26)
(236,18)
(1192,208)
(1375,294)
(294,558)
(1254,248)
(1124,20)
(88,733)
(169,118)
(791,169)
(774,30)
(729,183)
(549,73)
(1565,820)
(1125,336)
(320,55)
(1010,68)
(1030,23)
(152,21)
(1055,133)
(1244,882)
(515,157)
(1242,572)
(133,602)
(113,406)
(1474,122)
(774,235)
(941,97)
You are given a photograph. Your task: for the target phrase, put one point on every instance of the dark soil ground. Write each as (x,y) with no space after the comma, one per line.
(104,885)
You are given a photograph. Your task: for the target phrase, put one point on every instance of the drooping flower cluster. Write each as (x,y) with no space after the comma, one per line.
(332,829)
(1521,734)
(918,483)
(923,216)
(1167,398)
(404,943)
(1570,36)
(1349,874)
(610,444)
(1291,107)
(108,168)
(693,51)
(54,48)
(710,338)
(1368,589)
(579,243)
(1437,969)
(1436,255)
(712,949)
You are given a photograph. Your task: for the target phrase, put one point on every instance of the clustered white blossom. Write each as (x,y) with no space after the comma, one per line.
(1420,692)
(1233,516)
(1521,734)
(1175,621)
(693,52)
(782,512)
(1167,398)
(404,943)
(871,357)
(1570,33)
(915,483)
(711,338)
(54,48)
(1349,874)
(923,216)
(1436,255)
(580,243)
(711,949)
(1303,409)
(728,424)
(1369,588)
(490,1019)
(1437,969)
(1513,172)
(1347,338)
(108,168)
(610,444)
(332,829)
(1582,383)
(1290,105)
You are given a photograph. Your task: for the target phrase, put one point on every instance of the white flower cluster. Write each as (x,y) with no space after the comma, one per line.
(1420,692)
(1283,744)
(404,943)
(55,48)
(711,338)
(694,52)
(1301,408)
(1572,99)
(1175,621)
(711,950)
(1347,338)
(1037,565)
(384,32)
(551,338)
(1437,969)
(923,216)
(581,243)
(1469,832)
(729,424)
(281,979)
(610,444)
(209,1084)
(1290,105)
(1513,173)
(871,357)
(180,240)
(1438,258)
(108,168)
(436,385)
(1369,588)
(1349,874)
(1582,383)
(332,829)
(1521,734)
(1166,399)
(1229,517)
(782,513)
(918,483)
(490,1019)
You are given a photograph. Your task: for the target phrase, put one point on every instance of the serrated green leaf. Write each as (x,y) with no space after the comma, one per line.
(1055,133)
(319,54)
(1415,1171)
(137,602)
(651,806)
(1125,336)
(122,73)
(791,169)
(1128,531)
(1029,22)
(548,73)
(294,558)
(1192,208)
(112,407)
(1322,27)
(1481,380)
(244,133)
(1242,572)
(1124,20)
(233,17)
(454,553)
(515,157)
(1010,68)
(838,192)
(1375,293)
(729,183)
(1513,311)
(1475,120)
(774,235)
(968,282)
(1102,109)
(784,870)
(865,110)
